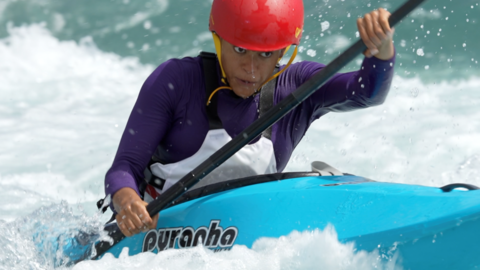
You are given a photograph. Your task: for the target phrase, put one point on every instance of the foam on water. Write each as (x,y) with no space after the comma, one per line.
(32,242)
(423,134)
(307,250)
(64,107)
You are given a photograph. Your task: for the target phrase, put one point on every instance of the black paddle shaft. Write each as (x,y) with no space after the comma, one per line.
(256,128)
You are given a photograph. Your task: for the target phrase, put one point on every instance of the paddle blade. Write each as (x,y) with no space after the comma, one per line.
(60,248)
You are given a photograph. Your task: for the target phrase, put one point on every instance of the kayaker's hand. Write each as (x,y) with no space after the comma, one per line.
(132,216)
(376,33)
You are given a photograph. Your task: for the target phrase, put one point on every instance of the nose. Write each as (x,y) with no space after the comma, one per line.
(250,63)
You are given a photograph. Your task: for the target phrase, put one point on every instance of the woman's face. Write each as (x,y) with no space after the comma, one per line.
(247,70)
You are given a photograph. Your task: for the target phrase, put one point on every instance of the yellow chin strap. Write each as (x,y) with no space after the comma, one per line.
(218,49)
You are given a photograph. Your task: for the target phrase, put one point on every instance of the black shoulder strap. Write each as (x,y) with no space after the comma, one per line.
(209,61)
(266,101)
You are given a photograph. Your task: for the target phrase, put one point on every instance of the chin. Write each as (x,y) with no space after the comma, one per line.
(244,93)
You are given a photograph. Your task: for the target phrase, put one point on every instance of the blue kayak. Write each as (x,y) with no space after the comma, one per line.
(429,227)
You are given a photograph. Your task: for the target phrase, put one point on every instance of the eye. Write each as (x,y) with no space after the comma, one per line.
(239,50)
(266,54)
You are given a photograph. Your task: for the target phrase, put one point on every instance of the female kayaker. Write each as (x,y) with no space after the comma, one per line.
(171,128)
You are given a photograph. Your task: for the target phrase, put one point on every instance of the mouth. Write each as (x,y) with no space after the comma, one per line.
(246,82)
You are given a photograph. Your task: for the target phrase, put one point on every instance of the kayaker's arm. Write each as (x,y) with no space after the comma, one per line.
(370,85)
(146,126)
(148,123)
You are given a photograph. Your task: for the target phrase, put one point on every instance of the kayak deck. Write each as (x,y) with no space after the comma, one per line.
(427,226)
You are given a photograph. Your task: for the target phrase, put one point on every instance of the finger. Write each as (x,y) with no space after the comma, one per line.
(146,221)
(122,226)
(383,21)
(137,224)
(131,226)
(154,222)
(144,216)
(371,48)
(132,214)
(378,29)
(372,28)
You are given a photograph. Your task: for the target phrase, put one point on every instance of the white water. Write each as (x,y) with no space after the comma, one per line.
(63,107)
(308,250)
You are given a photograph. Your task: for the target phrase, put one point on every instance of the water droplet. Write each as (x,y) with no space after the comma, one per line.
(147,25)
(325,25)
(311,53)
(145,47)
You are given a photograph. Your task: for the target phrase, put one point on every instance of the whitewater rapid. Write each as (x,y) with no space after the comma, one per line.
(64,106)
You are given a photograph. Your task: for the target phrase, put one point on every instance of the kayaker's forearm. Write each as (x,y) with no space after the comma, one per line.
(364,88)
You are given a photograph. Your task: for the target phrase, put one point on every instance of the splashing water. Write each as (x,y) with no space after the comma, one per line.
(66,98)
(38,241)
(306,250)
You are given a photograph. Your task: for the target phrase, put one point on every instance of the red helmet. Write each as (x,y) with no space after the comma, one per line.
(258,25)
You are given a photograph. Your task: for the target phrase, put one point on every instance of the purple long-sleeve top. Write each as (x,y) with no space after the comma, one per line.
(170,112)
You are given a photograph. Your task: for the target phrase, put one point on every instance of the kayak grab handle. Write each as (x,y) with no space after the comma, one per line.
(451,187)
